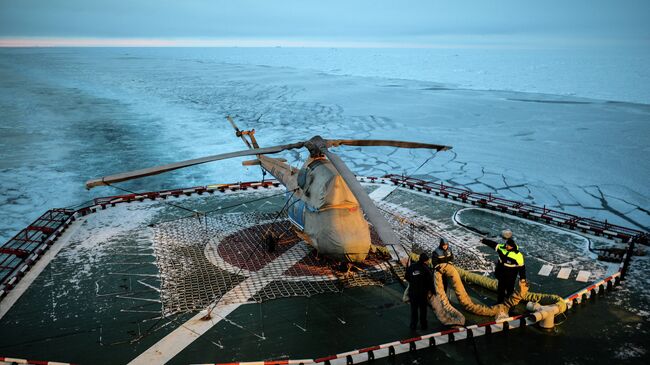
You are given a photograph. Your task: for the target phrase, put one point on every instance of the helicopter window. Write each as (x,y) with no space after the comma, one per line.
(302,174)
(302,177)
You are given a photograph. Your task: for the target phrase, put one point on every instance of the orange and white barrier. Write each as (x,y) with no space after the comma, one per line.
(11,360)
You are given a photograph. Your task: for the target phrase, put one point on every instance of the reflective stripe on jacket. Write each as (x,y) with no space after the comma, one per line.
(512,258)
(440,256)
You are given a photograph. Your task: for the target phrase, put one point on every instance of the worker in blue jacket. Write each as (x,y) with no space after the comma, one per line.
(509,265)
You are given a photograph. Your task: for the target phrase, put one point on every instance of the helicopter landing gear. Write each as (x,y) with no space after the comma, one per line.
(270,241)
(349,269)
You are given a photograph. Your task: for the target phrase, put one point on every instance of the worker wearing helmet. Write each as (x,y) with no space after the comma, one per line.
(509,265)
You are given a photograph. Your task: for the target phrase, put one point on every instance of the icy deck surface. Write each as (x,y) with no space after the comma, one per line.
(101,292)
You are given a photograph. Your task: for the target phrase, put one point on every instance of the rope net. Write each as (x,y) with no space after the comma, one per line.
(225,258)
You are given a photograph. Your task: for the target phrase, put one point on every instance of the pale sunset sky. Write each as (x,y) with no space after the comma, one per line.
(332,23)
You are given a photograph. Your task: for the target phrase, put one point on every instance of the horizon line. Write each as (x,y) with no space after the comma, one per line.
(23,42)
(452,41)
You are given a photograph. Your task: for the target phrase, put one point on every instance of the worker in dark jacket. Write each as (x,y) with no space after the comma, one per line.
(442,255)
(510,263)
(420,284)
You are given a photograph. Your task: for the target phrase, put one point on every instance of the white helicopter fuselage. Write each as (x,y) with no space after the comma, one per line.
(321,206)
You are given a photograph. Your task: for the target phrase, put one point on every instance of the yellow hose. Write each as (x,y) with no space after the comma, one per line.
(445,312)
(491,284)
(448,317)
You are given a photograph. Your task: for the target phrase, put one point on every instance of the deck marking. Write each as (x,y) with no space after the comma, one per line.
(583,276)
(545,270)
(172,344)
(382,192)
(14,294)
(564,273)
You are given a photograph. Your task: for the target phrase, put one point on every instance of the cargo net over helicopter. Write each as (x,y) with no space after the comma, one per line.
(329,235)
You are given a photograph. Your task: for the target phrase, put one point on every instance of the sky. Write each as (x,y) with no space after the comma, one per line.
(325,23)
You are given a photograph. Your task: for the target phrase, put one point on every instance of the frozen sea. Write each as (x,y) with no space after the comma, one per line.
(578,142)
(569,130)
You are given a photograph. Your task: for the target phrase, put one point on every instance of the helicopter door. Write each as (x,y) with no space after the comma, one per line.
(296,212)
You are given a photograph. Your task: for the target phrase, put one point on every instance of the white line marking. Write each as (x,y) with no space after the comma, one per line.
(382,192)
(172,344)
(564,273)
(40,265)
(583,276)
(545,270)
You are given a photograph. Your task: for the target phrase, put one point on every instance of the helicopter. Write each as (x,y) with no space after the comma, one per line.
(327,205)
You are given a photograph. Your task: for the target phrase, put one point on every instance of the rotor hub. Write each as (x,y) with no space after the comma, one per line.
(316,146)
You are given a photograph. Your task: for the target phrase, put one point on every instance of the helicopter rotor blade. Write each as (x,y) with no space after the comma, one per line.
(373,214)
(238,133)
(380,142)
(179,165)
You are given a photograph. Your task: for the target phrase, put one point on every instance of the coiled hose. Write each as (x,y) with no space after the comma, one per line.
(449,315)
